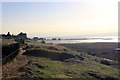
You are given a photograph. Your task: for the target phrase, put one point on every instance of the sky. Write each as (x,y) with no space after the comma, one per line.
(82,18)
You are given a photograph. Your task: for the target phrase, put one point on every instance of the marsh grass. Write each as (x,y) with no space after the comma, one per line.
(44,67)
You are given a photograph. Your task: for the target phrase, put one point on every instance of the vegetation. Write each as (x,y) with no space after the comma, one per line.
(6,42)
(52,61)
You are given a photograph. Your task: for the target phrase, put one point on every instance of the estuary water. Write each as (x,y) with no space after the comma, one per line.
(87,40)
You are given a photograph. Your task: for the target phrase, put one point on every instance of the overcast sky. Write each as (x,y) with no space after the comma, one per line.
(54,19)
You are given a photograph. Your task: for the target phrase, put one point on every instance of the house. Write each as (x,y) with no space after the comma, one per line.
(4,36)
(35,38)
(54,39)
(21,37)
(8,36)
(0,36)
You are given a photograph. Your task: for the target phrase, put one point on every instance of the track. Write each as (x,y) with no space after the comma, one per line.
(11,69)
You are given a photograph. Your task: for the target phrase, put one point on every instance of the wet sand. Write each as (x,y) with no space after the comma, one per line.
(104,50)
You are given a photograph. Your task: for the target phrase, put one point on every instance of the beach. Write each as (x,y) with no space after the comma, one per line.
(100,49)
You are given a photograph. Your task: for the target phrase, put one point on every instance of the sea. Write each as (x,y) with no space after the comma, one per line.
(82,40)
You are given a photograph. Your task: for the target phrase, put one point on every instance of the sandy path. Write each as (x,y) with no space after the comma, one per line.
(11,69)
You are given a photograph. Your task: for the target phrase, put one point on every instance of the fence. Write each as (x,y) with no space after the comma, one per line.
(9,52)
(10,56)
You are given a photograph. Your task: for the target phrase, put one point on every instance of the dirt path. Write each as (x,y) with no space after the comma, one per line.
(11,69)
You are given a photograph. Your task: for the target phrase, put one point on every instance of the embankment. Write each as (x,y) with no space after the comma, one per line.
(9,52)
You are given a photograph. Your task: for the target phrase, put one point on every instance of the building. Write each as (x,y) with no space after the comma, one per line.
(9,36)
(54,39)
(21,37)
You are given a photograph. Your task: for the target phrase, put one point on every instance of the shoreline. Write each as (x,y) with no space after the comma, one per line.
(99,49)
(76,41)
(88,43)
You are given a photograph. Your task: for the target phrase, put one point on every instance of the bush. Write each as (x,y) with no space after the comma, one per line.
(106,62)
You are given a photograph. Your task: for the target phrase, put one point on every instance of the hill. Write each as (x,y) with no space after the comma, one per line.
(51,61)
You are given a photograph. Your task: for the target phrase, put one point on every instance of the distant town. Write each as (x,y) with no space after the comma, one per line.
(12,36)
(22,35)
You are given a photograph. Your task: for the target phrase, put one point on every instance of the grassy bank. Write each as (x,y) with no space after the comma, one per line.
(46,61)
(6,42)
(10,50)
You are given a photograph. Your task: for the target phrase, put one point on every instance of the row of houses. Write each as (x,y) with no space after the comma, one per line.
(11,36)
(21,37)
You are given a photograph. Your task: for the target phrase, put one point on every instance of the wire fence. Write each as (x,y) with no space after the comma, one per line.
(10,56)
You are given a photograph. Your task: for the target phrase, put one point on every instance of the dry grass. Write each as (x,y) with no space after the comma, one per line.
(34,65)
(7,42)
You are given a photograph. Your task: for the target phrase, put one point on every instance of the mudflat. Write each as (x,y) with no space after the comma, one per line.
(101,49)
